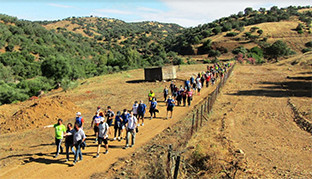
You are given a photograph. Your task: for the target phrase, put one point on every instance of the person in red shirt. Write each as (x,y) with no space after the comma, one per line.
(189,97)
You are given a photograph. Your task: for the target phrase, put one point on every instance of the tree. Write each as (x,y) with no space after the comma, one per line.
(56,68)
(248,11)
(277,49)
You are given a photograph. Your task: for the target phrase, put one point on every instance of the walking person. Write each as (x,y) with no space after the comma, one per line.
(79,120)
(199,86)
(170,104)
(172,87)
(103,137)
(141,112)
(69,140)
(117,125)
(95,124)
(151,95)
(110,116)
(131,125)
(166,93)
(184,96)
(189,97)
(135,107)
(153,107)
(60,130)
(125,116)
(79,138)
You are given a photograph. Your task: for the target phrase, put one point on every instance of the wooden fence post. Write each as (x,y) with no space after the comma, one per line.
(197,118)
(193,121)
(176,170)
(169,161)
(201,115)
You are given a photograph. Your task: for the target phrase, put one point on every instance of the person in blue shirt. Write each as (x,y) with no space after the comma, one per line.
(141,112)
(170,104)
(118,125)
(125,116)
(153,107)
(166,93)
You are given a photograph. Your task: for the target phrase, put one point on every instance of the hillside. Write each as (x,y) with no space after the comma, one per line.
(249,28)
(115,31)
(40,56)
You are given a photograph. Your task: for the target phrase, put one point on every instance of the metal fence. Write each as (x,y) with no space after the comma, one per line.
(201,112)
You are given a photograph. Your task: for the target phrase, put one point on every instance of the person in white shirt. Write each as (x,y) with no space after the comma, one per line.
(131,126)
(79,138)
(135,107)
(103,137)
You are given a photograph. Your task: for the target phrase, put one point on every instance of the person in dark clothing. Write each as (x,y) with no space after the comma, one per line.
(69,140)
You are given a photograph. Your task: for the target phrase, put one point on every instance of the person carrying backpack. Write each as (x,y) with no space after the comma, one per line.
(95,124)
(141,112)
(166,93)
(125,116)
(135,107)
(117,125)
(189,97)
(110,116)
(79,120)
(79,139)
(130,127)
(103,137)
(170,104)
(153,107)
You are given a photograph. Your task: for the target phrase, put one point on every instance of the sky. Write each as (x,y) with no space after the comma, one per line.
(187,13)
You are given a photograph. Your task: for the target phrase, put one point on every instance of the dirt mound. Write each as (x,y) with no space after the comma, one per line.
(42,112)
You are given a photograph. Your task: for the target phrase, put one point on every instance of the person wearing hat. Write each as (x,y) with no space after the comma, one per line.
(60,130)
(170,104)
(103,137)
(79,119)
(95,124)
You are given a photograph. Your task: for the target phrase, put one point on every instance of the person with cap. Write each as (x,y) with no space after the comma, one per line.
(135,107)
(95,124)
(141,112)
(125,116)
(130,127)
(79,119)
(79,138)
(98,109)
(103,137)
(60,130)
(166,93)
(170,104)
(153,107)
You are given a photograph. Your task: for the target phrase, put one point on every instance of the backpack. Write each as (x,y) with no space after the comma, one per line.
(78,121)
(170,103)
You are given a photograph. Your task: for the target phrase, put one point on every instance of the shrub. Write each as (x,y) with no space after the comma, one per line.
(32,86)
(9,93)
(231,34)
(306,50)
(308,44)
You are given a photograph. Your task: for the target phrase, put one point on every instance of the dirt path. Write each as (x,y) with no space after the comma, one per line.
(260,122)
(43,165)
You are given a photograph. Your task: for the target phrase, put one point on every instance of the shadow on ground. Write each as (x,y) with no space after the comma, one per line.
(298,87)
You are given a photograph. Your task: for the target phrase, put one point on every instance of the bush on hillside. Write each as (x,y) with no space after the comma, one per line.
(277,49)
(308,44)
(231,34)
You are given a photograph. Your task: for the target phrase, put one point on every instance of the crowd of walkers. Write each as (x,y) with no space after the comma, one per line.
(105,122)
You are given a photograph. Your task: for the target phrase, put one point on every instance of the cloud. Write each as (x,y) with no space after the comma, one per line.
(60,5)
(114,11)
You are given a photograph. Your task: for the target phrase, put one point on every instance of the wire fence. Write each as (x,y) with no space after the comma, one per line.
(201,112)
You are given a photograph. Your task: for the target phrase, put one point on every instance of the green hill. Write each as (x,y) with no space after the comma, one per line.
(37,56)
